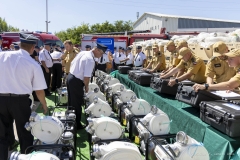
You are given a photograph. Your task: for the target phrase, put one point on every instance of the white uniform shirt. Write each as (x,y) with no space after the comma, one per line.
(56,55)
(82,65)
(138,60)
(44,55)
(123,57)
(118,56)
(130,56)
(21,74)
(104,60)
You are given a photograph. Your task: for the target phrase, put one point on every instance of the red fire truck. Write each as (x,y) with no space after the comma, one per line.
(11,37)
(125,39)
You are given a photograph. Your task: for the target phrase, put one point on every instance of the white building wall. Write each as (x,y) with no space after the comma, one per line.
(171,24)
(155,23)
(149,22)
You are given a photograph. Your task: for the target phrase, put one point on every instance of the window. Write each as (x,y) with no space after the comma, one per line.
(138,40)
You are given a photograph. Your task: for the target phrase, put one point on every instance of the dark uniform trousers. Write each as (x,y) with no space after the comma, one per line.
(56,76)
(18,108)
(130,65)
(102,67)
(47,77)
(75,95)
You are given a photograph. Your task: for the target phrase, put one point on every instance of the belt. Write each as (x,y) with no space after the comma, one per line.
(13,95)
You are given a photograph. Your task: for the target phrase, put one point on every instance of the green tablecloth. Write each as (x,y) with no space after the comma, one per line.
(186,118)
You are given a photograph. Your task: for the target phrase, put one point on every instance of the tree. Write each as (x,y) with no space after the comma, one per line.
(4,27)
(74,33)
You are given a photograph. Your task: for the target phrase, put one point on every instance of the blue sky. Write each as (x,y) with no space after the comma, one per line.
(63,14)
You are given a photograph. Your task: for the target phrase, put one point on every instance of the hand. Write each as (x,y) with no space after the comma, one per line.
(172,82)
(144,69)
(228,91)
(197,87)
(86,89)
(162,74)
(47,70)
(59,59)
(45,109)
(151,71)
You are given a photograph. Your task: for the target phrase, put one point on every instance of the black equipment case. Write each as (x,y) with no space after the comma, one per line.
(124,69)
(161,85)
(221,115)
(131,73)
(188,95)
(143,79)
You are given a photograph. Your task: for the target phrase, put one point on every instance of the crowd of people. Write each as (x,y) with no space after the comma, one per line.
(28,68)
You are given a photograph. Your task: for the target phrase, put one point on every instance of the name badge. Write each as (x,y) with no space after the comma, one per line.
(217,65)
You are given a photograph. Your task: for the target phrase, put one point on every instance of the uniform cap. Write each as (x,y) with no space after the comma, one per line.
(183,51)
(182,44)
(154,46)
(129,48)
(233,53)
(170,43)
(87,46)
(119,47)
(54,44)
(139,47)
(47,43)
(37,47)
(28,38)
(219,48)
(115,47)
(102,47)
(62,47)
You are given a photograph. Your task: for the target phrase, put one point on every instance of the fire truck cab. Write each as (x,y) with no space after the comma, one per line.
(11,37)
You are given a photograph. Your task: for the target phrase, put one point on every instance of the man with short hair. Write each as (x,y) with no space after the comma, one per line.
(194,65)
(68,56)
(140,58)
(233,61)
(22,75)
(218,70)
(88,47)
(47,63)
(79,76)
(11,48)
(157,63)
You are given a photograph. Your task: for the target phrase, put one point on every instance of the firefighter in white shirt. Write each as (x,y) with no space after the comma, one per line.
(128,57)
(79,76)
(47,63)
(140,58)
(56,69)
(102,62)
(22,75)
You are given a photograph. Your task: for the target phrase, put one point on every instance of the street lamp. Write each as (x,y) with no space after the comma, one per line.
(47,16)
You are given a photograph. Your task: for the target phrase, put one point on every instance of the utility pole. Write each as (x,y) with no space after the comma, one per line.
(47,16)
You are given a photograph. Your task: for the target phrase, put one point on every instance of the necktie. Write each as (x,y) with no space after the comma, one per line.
(101,59)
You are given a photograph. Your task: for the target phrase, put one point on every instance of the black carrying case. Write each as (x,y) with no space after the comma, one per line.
(222,115)
(124,69)
(188,95)
(143,78)
(161,85)
(131,73)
